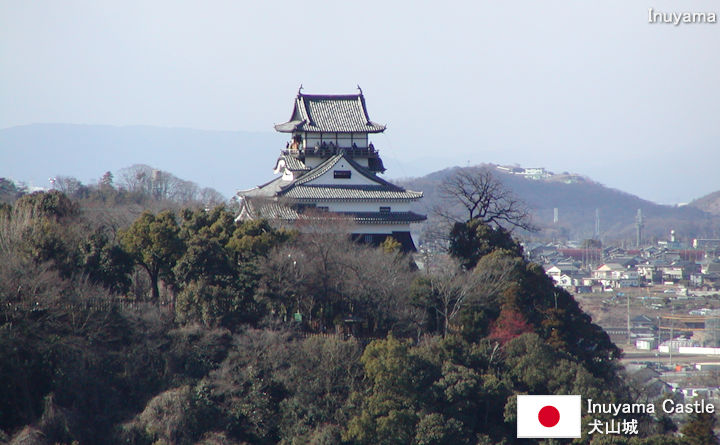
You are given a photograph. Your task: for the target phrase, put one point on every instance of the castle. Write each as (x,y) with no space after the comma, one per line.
(330,165)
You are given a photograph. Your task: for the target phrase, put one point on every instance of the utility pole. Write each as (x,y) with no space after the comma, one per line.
(672,330)
(628,318)
(597,224)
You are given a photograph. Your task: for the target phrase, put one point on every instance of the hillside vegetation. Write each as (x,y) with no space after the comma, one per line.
(181,326)
(709,203)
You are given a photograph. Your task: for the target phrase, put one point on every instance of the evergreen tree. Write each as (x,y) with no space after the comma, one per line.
(699,430)
(154,244)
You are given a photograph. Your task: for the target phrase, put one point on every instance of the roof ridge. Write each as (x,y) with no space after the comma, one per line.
(371,175)
(316,172)
(331,113)
(278,178)
(330,96)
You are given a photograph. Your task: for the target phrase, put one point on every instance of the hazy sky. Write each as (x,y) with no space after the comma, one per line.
(581,85)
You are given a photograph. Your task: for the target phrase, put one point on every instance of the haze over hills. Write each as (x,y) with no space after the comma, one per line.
(577,199)
(709,203)
(232,160)
(224,160)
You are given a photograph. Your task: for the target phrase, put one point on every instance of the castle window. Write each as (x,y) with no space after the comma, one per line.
(341,174)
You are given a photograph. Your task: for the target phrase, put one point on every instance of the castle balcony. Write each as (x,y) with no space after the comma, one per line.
(325,151)
(374,163)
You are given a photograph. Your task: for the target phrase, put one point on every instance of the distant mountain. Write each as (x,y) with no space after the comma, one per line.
(709,203)
(232,160)
(224,160)
(577,199)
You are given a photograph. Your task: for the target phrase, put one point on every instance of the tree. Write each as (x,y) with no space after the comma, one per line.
(160,185)
(217,274)
(474,239)
(154,244)
(105,262)
(70,186)
(328,278)
(699,430)
(486,199)
(389,410)
(53,204)
(456,299)
(106,182)
(40,227)
(509,325)
(9,191)
(445,291)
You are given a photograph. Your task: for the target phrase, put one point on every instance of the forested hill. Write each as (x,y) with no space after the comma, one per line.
(182,326)
(709,203)
(577,199)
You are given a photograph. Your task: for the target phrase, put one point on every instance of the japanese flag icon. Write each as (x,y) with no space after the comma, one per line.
(540,417)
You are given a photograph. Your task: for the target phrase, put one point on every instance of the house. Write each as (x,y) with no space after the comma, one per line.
(710,268)
(330,170)
(615,275)
(557,270)
(642,321)
(650,271)
(651,382)
(679,270)
(645,343)
(642,326)
(607,270)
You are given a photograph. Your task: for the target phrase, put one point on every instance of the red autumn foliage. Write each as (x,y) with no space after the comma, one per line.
(509,324)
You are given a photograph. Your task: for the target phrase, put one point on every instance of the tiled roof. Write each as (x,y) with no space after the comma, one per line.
(270,210)
(293,164)
(330,163)
(333,114)
(267,190)
(277,211)
(319,170)
(302,189)
(331,192)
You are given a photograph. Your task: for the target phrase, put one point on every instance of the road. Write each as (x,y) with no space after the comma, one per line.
(650,356)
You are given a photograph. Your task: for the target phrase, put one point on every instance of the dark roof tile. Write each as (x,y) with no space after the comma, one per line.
(330,114)
(333,192)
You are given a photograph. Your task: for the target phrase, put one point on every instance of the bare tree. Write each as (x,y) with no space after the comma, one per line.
(485,198)
(164,186)
(70,186)
(453,289)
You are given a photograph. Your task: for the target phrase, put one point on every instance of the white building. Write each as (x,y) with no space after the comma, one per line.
(615,275)
(330,165)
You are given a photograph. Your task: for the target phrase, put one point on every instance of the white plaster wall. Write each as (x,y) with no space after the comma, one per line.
(355,178)
(280,166)
(313,162)
(360,139)
(340,139)
(366,206)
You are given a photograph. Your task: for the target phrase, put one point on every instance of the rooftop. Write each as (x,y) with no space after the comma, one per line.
(279,211)
(330,114)
(303,189)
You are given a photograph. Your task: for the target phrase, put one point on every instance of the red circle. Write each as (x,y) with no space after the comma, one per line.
(549,416)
